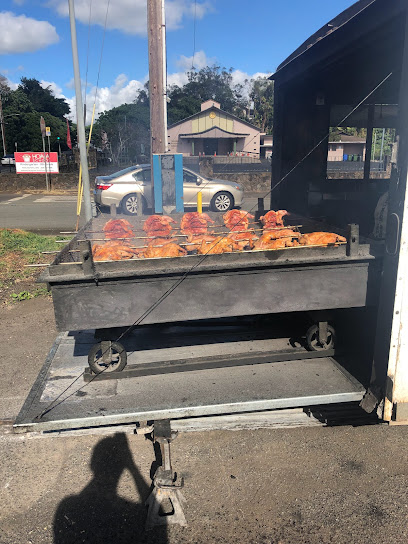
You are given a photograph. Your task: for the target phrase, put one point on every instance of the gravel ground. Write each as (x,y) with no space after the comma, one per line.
(305,485)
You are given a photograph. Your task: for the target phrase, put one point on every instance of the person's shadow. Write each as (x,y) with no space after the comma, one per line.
(97,514)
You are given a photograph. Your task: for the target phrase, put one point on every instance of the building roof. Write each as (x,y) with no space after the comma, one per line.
(214,132)
(343,18)
(348,139)
(209,103)
(216,110)
(362,16)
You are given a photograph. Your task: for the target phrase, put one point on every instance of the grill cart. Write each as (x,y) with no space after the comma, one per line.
(220,334)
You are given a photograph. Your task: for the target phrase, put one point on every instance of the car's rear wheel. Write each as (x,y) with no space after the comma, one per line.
(131,203)
(222,202)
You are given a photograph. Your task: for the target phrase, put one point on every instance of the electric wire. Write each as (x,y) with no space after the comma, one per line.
(53,404)
(80,184)
(102,47)
(194,35)
(87,58)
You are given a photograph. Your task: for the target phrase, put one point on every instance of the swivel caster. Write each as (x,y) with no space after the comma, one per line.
(320,337)
(107,357)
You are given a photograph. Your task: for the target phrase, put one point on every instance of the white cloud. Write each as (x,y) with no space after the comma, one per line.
(130,16)
(200,61)
(243,78)
(13,86)
(122,91)
(176,10)
(71,84)
(239,77)
(54,88)
(21,34)
(178,78)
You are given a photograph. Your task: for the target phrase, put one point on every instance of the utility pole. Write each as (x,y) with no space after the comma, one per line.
(80,115)
(3,136)
(156,29)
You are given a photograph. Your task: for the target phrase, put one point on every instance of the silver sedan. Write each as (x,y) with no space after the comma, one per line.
(124,187)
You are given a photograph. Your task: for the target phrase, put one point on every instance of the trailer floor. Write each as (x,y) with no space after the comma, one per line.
(60,399)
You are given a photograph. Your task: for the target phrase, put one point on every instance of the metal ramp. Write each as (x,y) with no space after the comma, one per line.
(298,379)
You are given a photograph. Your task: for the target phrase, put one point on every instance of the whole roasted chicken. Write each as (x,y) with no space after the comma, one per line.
(118,228)
(166,250)
(158,225)
(321,239)
(273,219)
(269,241)
(194,223)
(194,242)
(114,251)
(243,239)
(237,220)
(219,245)
(281,233)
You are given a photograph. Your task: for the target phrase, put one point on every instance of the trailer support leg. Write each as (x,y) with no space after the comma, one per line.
(167,487)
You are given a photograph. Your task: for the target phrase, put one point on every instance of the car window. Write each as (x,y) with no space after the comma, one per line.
(142,175)
(121,173)
(188,177)
(138,176)
(147,175)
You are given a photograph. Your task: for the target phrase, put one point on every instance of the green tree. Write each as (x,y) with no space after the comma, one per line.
(127,129)
(389,139)
(43,99)
(4,88)
(211,82)
(22,124)
(262,95)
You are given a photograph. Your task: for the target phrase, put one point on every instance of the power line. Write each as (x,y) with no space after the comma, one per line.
(194,34)
(87,58)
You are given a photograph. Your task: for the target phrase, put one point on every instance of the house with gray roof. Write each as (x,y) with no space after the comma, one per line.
(213,131)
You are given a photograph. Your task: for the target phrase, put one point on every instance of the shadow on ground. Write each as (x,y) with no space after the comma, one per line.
(98,514)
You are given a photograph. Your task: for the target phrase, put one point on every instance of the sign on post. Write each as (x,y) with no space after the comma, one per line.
(33,162)
(48,131)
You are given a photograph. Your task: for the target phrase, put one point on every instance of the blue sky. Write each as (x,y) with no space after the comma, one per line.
(251,37)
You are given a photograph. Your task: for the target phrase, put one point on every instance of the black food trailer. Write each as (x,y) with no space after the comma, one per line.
(192,328)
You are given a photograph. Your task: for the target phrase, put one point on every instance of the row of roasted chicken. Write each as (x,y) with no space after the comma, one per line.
(163,237)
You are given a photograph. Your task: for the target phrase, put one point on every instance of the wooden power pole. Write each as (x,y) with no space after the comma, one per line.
(157,75)
(156,30)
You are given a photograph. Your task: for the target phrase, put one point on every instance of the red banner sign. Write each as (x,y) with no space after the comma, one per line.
(30,162)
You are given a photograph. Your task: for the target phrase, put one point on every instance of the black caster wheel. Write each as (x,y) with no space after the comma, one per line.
(312,339)
(115,361)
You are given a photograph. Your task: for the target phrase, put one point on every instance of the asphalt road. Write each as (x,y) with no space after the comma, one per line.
(51,214)
(47,214)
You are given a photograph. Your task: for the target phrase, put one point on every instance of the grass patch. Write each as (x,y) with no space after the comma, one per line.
(17,249)
(27,243)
